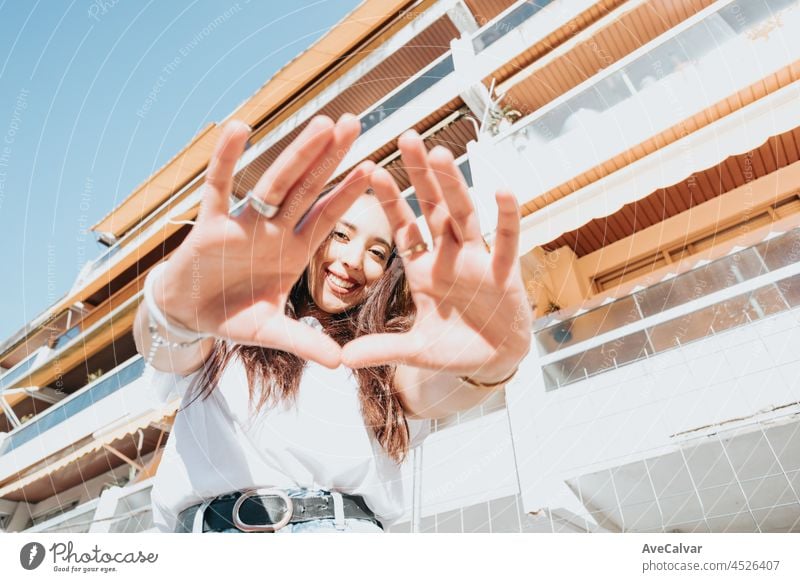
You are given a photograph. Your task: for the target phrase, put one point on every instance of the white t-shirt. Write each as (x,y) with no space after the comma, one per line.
(216,446)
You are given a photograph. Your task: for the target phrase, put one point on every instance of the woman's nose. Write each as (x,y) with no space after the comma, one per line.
(352,256)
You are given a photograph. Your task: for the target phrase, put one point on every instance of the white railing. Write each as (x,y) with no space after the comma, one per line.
(81,400)
(744,286)
(694,65)
(76,520)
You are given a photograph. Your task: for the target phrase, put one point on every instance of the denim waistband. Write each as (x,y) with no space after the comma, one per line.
(293,492)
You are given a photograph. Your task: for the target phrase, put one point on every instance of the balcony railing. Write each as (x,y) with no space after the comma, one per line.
(133,512)
(744,286)
(507,21)
(408,91)
(76,520)
(708,58)
(75,403)
(103,258)
(18,371)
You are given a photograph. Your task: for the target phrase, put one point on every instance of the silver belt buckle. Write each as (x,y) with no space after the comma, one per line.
(271,527)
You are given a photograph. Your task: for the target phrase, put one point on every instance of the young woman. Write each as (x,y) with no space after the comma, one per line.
(313,338)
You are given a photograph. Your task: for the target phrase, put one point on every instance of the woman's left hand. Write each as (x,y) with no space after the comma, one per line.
(473,316)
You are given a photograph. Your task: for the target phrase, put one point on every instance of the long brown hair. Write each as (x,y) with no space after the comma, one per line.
(387,307)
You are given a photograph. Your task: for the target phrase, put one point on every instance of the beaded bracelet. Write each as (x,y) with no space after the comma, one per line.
(155,318)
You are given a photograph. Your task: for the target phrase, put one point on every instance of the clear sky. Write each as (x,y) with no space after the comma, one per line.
(95,95)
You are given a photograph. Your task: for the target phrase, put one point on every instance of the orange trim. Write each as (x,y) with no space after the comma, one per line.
(293,78)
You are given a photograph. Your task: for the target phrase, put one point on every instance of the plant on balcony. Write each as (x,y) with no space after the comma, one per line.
(94,375)
(562,332)
(501,118)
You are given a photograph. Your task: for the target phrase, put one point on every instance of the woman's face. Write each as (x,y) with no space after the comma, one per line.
(354,257)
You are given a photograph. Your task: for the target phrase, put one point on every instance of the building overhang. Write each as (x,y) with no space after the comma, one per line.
(741,131)
(79,463)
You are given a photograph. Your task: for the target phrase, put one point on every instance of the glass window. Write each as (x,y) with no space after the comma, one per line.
(607,356)
(476,518)
(505,515)
(781,251)
(496,30)
(407,93)
(700,282)
(135,508)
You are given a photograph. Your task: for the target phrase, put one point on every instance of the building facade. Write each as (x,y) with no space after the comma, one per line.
(654,147)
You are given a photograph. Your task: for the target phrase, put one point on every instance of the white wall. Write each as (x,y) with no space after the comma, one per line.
(635,411)
(467,464)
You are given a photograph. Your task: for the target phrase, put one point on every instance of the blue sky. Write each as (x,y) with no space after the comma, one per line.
(95,95)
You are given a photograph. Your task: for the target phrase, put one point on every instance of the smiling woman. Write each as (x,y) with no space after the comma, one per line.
(353,258)
(315,351)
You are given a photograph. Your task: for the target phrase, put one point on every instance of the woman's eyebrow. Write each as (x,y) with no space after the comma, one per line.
(354,229)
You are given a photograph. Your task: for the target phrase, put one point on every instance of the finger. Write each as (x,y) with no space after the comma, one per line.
(308,343)
(294,161)
(307,189)
(463,220)
(219,175)
(253,326)
(506,248)
(429,193)
(381,348)
(399,213)
(320,220)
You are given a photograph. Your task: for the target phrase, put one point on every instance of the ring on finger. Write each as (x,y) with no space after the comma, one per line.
(417,248)
(265,209)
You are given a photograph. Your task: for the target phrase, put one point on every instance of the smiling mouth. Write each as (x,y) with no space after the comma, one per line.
(339,285)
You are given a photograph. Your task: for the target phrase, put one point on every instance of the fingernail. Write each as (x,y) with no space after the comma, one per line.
(322,119)
(441,150)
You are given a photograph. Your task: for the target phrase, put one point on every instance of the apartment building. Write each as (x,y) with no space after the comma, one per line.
(654,147)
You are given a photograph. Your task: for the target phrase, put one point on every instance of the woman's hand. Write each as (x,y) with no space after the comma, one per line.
(231,276)
(473,316)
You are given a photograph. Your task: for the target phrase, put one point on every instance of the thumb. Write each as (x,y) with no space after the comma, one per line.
(282,333)
(305,341)
(381,348)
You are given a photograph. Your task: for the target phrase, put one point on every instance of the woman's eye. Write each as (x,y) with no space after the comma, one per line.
(340,235)
(379,253)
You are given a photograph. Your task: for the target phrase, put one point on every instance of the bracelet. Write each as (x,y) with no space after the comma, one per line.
(487,385)
(155,318)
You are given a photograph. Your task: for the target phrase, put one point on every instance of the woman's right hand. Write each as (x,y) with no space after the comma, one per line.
(231,276)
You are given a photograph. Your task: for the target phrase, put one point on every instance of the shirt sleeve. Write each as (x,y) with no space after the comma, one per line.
(418,429)
(166,386)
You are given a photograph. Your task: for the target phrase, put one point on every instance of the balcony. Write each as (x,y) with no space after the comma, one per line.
(74,404)
(707,59)
(745,481)
(107,402)
(407,92)
(506,22)
(12,375)
(695,375)
(75,520)
(116,510)
(743,287)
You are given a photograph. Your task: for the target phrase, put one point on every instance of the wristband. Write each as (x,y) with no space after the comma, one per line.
(156,318)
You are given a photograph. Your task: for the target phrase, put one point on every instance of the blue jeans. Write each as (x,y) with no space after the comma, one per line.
(327,525)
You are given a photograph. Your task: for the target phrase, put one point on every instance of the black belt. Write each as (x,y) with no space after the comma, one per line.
(268,509)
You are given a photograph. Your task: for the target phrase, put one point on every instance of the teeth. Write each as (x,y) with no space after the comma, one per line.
(341,282)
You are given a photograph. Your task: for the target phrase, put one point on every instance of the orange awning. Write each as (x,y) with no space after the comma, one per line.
(283,86)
